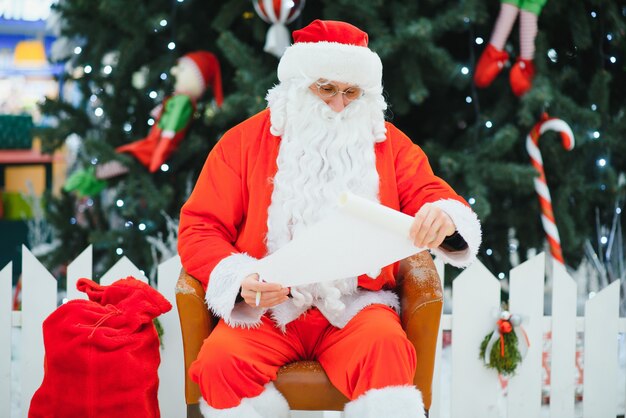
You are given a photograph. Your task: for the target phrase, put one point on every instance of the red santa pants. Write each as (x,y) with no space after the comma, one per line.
(370,352)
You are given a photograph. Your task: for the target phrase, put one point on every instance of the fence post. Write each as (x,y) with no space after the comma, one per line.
(82,266)
(5,339)
(120,270)
(562,371)
(526,300)
(172,368)
(599,389)
(39,299)
(475,299)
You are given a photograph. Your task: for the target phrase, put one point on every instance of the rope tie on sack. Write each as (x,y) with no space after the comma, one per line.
(101,321)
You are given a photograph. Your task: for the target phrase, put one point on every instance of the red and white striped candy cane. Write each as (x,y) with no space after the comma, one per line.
(547,215)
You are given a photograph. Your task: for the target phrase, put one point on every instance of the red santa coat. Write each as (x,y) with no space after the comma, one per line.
(227,211)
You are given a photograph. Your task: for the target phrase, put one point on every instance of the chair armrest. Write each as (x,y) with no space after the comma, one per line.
(421,300)
(196,323)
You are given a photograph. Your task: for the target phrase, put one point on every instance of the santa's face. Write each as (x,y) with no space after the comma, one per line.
(188,79)
(335,94)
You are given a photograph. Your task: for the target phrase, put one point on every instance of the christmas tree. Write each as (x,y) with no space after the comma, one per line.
(475,137)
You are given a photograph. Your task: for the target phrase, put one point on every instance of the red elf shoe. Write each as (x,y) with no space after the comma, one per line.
(489,65)
(521,76)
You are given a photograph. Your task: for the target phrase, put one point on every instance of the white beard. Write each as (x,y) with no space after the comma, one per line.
(322,154)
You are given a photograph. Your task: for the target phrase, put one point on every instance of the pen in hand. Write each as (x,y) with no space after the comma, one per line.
(257,300)
(257,292)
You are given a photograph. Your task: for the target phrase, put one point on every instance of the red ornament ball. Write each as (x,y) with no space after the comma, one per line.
(504,326)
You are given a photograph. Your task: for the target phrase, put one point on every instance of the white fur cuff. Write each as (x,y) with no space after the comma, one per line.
(269,404)
(224,284)
(241,410)
(468,226)
(389,402)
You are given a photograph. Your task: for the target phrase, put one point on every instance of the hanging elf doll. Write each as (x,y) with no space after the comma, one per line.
(494,57)
(194,72)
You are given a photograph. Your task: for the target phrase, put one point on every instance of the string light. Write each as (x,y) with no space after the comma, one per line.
(604,240)
(618,210)
(72,221)
(489,251)
(464,70)
(594,107)
(479,41)
(94,161)
(142,226)
(163,23)
(488,124)
(150,122)
(107,69)
(171,46)
(165,167)
(471,201)
(601,162)
(119,203)
(553,55)
(596,135)
(127,127)
(609,37)
(501,276)
(93,98)
(119,251)
(88,69)
(78,50)
(613,60)
(594,14)
(98,112)
(128,224)
(468,99)
(153,94)
(163,76)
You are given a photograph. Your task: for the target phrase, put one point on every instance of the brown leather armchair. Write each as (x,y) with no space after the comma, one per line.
(304,383)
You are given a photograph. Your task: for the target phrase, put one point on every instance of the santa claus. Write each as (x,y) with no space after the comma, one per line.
(277,173)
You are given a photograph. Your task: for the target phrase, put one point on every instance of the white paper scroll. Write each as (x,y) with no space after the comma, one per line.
(359,238)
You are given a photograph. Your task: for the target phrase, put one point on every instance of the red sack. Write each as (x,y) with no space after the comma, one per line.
(102,354)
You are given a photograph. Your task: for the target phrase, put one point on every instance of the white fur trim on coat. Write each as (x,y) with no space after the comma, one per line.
(355,302)
(269,404)
(389,402)
(468,226)
(332,61)
(224,284)
(358,301)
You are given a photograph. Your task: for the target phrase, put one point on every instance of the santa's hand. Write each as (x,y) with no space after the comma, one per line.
(267,294)
(431,226)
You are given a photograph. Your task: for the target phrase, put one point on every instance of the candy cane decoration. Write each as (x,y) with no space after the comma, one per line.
(547,214)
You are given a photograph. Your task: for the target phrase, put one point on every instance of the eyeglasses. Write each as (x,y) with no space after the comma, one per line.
(328,90)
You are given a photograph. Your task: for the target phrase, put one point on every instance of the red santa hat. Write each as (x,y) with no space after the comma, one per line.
(331,50)
(207,71)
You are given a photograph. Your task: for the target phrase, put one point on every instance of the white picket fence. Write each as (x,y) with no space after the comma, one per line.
(475,390)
